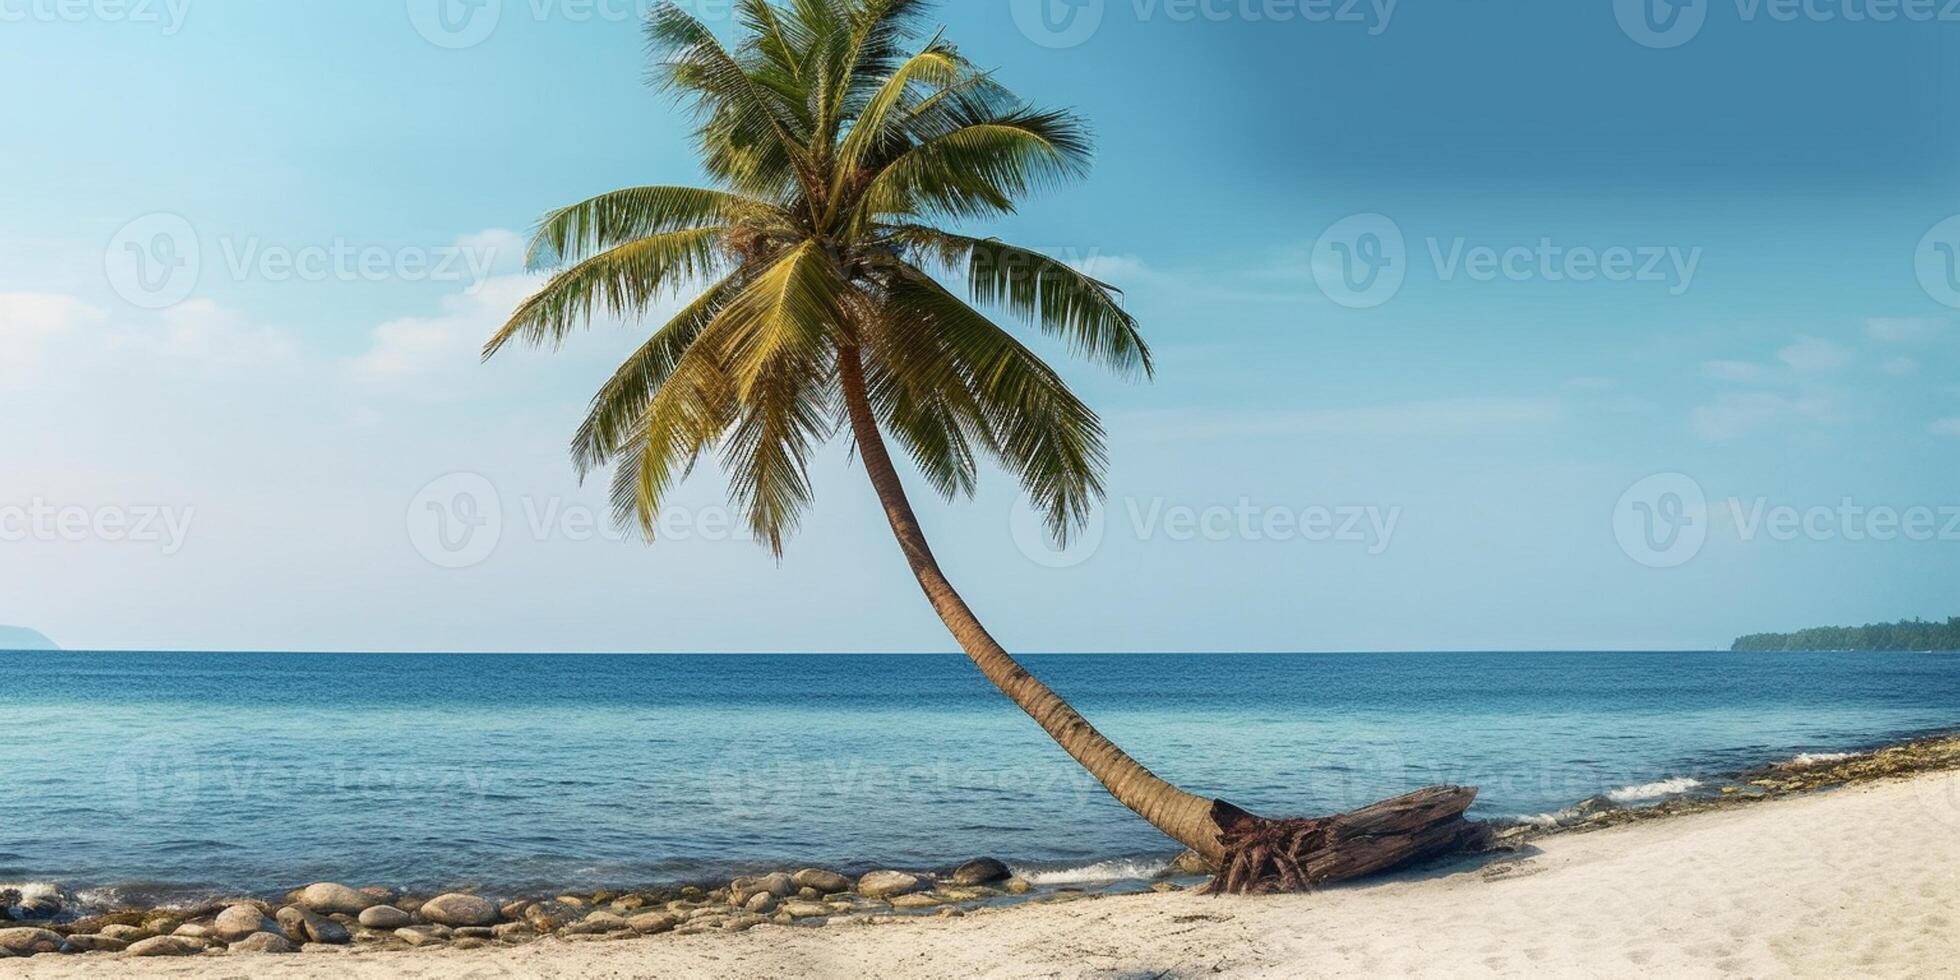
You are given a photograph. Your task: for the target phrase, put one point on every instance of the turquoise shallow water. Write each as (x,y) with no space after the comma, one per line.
(181,775)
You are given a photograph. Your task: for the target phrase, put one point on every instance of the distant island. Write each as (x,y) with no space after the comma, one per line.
(22,638)
(1915,634)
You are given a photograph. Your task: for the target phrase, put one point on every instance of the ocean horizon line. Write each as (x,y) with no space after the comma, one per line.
(1493,651)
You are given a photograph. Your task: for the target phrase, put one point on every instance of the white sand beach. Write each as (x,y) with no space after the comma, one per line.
(1860,881)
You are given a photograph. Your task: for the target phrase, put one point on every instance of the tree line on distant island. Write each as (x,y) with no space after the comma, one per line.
(1915,634)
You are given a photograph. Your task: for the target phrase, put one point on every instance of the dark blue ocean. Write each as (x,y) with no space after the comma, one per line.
(183,775)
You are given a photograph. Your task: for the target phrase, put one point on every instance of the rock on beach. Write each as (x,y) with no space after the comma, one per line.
(264,942)
(327,897)
(981,871)
(460,910)
(887,884)
(27,942)
(166,946)
(239,921)
(305,925)
(827,882)
(385,917)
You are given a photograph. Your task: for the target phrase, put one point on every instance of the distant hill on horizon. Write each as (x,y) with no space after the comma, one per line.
(1906,634)
(22,638)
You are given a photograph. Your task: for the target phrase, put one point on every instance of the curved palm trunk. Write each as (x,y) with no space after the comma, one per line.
(1185,818)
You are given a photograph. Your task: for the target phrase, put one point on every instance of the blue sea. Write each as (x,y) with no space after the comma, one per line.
(168,777)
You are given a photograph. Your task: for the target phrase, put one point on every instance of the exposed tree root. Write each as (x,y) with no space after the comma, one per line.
(1264,856)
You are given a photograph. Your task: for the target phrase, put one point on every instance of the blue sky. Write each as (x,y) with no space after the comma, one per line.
(1717,289)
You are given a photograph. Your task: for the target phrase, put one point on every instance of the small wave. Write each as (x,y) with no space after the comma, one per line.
(1818,759)
(1115,869)
(29,891)
(1653,791)
(1551,821)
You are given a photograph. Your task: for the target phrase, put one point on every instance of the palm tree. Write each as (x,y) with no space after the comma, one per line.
(838,136)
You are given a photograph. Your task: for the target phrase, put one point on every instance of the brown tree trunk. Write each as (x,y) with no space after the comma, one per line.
(1334,849)
(1185,818)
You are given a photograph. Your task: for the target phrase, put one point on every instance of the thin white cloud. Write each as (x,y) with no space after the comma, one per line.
(1900,367)
(201,335)
(1741,372)
(419,349)
(499,250)
(1947,427)
(1736,415)
(1455,417)
(30,322)
(1902,330)
(1112,269)
(1812,354)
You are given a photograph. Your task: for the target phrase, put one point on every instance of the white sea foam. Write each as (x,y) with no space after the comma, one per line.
(1818,759)
(1115,869)
(1653,791)
(30,890)
(1551,821)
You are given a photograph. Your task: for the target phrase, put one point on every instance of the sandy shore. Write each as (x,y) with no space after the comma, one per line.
(1859,881)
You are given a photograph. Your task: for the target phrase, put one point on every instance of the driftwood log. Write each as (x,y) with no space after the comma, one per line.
(1264,855)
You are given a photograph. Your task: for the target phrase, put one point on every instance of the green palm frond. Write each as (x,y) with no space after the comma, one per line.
(575,233)
(750,132)
(689,413)
(920,391)
(1038,427)
(938,66)
(788,313)
(619,410)
(833,132)
(981,166)
(1059,298)
(621,282)
(786,413)
(779,40)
